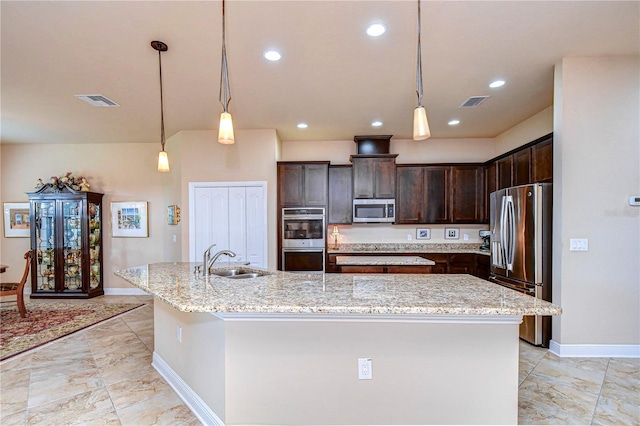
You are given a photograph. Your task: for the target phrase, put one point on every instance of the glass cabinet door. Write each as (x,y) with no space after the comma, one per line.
(45,217)
(72,244)
(95,227)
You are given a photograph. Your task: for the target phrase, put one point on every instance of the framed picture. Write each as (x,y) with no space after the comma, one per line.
(423,233)
(452,233)
(16,220)
(173,215)
(129,219)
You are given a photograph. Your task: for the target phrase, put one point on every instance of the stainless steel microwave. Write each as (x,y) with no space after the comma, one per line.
(374,210)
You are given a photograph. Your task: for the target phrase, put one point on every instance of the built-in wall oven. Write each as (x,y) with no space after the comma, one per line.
(303,239)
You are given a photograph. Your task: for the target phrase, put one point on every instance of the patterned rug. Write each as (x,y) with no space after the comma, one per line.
(48,320)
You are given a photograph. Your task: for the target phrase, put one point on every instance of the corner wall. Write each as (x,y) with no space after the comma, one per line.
(596,169)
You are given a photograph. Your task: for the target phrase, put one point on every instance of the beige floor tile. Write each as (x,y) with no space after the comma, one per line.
(129,368)
(13,400)
(88,407)
(14,419)
(65,386)
(14,378)
(120,342)
(18,362)
(163,409)
(622,383)
(612,412)
(49,363)
(545,401)
(130,392)
(584,374)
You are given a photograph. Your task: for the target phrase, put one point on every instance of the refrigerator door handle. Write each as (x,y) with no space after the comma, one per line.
(503,231)
(512,230)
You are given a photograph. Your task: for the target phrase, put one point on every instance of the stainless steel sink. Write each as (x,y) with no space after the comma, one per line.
(237,273)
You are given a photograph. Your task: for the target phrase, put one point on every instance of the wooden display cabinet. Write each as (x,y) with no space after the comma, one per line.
(66,237)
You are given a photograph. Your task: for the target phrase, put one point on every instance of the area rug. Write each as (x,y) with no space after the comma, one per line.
(48,320)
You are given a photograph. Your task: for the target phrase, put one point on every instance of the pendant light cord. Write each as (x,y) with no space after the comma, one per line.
(162,140)
(225,86)
(419,66)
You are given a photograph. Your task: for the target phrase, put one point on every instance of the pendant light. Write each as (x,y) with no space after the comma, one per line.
(163,159)
(420,124)
(225,133)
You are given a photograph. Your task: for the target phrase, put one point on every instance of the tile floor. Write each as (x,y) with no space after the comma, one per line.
(103,375)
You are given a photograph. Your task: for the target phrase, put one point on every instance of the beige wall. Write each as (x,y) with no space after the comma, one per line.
(529,130)
(123,172)
(409,151)
(596,169)
(252,158)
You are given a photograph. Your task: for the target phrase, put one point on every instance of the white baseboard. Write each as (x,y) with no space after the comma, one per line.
(594,351)
(184,391)
(125,292)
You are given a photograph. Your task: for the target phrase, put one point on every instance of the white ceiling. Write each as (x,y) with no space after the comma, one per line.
(332,75)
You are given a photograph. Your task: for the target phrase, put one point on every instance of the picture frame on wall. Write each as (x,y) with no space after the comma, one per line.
(129,219)
(173,215)
(17,222)
(423,233)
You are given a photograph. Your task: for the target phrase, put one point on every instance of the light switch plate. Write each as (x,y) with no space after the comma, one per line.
(579,244)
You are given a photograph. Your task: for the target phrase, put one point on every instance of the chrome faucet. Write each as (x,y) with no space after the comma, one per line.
(216,256)
(205,259)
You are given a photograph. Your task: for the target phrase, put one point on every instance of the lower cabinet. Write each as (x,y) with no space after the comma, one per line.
(445,263)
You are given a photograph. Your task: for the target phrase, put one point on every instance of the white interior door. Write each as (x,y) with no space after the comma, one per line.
(232,215)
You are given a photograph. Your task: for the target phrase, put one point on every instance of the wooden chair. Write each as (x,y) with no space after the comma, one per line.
(9,289)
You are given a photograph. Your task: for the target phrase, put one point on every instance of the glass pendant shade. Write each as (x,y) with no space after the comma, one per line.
(420,124)
(163,162)
(225,134)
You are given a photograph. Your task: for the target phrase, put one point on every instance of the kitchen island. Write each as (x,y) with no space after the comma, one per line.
(283,348)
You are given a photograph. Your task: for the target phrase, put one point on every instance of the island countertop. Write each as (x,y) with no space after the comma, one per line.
(284,292)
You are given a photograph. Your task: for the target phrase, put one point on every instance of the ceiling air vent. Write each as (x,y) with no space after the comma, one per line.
(97,100)
(473,101)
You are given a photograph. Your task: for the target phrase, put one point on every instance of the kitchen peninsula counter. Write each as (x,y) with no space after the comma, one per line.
(285,348)
(283,292)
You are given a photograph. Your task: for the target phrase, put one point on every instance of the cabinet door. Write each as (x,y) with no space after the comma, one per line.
(363,174)
(340,195)
(43,238)
(385,178)
(468,195)
(315,185)
(291,185)
(491,185)
(505,172)
(409,196)
(522,167)
(72,242)
(542,161)
(462,263)
(437,182)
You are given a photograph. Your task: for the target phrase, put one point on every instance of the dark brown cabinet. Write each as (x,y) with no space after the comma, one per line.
(374,176)
(521,167)
(467,204)
(505,167)
(462,263)
(440,194)
(542,161)
(491,185)
(340,209)
(303,184)
(66,237)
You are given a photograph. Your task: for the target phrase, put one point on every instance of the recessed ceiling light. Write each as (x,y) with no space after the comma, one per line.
(375,30)
(302,125)
(272,55)
(454,122)
(497,83)
(376,123)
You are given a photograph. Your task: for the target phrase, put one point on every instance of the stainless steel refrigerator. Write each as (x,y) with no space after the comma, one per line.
(521,249)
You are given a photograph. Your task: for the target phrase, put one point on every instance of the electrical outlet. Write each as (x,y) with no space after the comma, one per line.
(465,237)
(409,237)
(179,333)
(578,244)
(364,369)
(175,239)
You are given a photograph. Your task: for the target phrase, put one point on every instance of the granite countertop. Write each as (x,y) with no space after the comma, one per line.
(383,260)
(284,292)
(408,248)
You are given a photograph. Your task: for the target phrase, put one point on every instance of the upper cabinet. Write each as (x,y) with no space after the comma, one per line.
(303,184)
(542,161)
(340,209)
(440,194)
(374,176)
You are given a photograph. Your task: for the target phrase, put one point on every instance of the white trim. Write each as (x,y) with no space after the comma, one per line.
(199,408)
(194,257)
(398,318)
(118,291)
(594,350)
